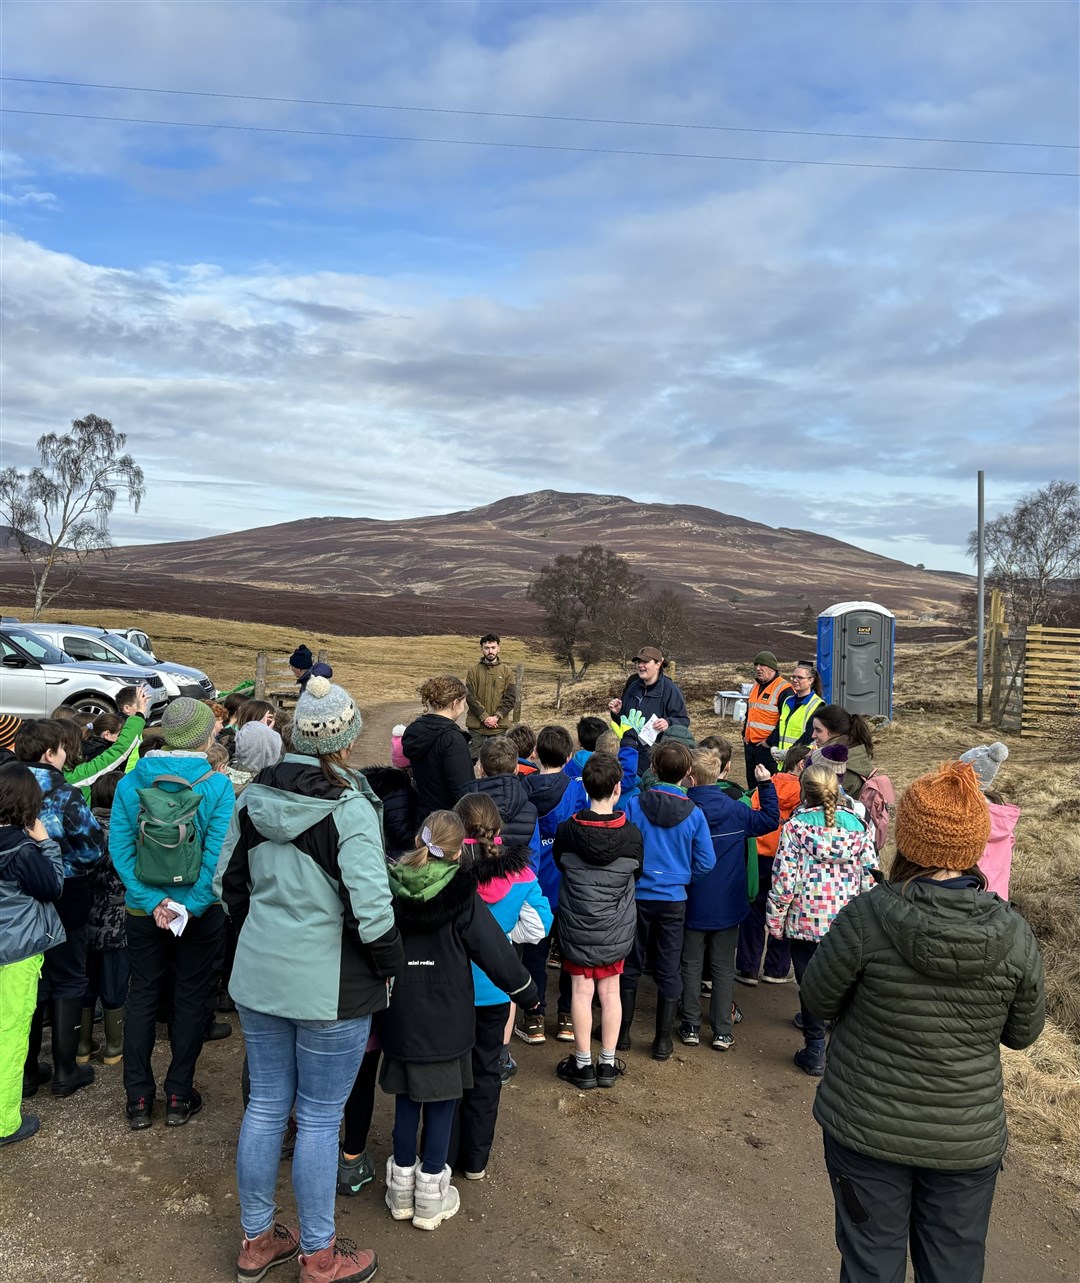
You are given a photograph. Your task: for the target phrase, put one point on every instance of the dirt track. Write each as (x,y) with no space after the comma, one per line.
(707,1167)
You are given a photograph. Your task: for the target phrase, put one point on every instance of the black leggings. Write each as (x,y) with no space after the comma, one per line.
(361,1104)
(438,1123)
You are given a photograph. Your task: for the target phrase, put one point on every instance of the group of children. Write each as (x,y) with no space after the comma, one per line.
(576,856)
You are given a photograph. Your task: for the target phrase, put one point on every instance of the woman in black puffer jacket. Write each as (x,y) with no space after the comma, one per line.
(924,976)
(437,747)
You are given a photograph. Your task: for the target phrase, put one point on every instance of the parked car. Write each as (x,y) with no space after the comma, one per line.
(137,637)
(84,642)
(37,677)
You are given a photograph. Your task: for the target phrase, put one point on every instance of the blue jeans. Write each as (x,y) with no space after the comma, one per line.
(314,1063)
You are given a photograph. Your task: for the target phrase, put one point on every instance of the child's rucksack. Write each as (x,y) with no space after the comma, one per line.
(879,797)
(168,846)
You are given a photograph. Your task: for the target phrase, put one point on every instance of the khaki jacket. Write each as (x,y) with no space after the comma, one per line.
(490,690)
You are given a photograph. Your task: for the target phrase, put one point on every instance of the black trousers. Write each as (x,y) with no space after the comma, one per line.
(361,1104)
(657,946)
(156,956)
(63,973)
(883,1207)
(480,1103)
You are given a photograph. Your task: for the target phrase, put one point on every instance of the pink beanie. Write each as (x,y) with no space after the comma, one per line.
(397,757)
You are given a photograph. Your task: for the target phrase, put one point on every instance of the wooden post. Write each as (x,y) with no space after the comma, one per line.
(558,693)
(519,681)
(995,678)
(323,656)
(260,675)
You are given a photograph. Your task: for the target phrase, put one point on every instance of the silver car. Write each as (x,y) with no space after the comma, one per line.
(84,642)
(36,678)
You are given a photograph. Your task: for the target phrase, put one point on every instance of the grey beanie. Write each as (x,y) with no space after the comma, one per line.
(187,723)
(986,759)
(326,719)
(257,746)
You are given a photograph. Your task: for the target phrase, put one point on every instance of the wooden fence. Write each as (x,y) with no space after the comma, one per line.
(1051,674)
(274,680)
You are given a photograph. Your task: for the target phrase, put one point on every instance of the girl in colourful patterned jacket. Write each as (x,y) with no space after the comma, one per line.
(825,859)
(506,883)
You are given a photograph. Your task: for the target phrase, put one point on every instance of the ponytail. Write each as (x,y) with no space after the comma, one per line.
(439,839)
(819,786)
(861,734)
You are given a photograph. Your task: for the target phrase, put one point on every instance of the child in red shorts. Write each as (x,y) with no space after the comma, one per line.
(599,854)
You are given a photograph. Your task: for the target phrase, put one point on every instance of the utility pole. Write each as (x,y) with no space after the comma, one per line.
(979,602)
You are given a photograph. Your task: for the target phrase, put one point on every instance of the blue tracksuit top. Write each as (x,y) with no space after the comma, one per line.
(678,849)
(719,899)
(556,797)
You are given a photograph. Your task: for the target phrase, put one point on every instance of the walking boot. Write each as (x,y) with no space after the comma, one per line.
(272,1247)
(87,1045)
(113,1051)
(400,1190)
(811,1058)
(68,1077)
(436,1199)
(35,1074)
(665,1013)
(629,998)
(340,1261)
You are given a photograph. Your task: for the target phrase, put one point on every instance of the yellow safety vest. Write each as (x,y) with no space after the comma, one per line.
(793,724)
(763,710)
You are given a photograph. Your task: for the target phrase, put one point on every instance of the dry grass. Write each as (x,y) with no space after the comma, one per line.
(934,708)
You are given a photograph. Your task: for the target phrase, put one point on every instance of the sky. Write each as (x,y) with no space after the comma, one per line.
(321,312)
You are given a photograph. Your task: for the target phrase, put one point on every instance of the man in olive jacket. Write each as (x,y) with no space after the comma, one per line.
(924,977)
(490,693)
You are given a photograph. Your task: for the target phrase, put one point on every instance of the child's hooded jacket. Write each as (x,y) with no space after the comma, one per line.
(719,899)
(556,797)
(69,821)
(31,879)
(601,858)
(817,871)
(678,849)
(508,886)
(444,927)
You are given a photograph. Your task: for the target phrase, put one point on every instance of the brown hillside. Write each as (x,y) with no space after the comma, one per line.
(466,569)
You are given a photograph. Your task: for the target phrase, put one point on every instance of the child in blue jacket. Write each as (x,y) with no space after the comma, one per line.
(507,884)
(678,851)
(717,904)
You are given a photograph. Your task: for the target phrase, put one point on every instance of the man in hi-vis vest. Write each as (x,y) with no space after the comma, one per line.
(761,730)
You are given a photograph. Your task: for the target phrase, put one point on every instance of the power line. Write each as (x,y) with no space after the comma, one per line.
(526,115)
(563,147)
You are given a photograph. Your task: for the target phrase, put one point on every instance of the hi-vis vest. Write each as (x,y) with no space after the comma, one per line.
(793,724)
(763,710)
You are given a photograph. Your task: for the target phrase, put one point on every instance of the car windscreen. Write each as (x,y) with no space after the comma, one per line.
(135,653)
(38,647)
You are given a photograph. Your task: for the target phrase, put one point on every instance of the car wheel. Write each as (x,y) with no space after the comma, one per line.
(91,705)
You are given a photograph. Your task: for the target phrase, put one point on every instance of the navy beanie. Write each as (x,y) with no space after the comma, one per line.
(301,658)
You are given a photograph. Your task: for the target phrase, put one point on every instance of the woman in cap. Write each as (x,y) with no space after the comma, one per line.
(650,693)
(304,880)
(924,977)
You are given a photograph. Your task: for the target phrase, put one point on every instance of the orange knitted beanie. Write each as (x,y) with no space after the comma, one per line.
(943,821)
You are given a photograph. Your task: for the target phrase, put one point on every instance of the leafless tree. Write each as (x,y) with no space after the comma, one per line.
(59,511)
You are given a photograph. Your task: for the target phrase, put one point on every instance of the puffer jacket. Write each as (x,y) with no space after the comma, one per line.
(600,858)
(444,926)
(395,791)
(31,879)
(923,980)
(817,871)
(508,886)
(303,877)
(519,823)
(438,751)
(106,928)
(69,821)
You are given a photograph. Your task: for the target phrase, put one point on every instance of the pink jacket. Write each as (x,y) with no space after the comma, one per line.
(816,872)
(996,862)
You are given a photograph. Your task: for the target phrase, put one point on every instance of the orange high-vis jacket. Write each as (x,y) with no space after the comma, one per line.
(788,791)
(763,710)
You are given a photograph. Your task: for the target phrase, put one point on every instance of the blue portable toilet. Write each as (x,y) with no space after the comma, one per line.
(856,643)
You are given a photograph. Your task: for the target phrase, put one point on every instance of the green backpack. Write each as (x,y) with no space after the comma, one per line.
(168,848)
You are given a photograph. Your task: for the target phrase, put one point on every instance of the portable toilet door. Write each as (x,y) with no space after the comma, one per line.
(855,647)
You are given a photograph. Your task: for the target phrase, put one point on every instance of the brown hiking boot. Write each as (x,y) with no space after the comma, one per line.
(340,1261)
(264,1251)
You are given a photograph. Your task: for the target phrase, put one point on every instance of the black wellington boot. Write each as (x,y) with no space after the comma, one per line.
(665,1014)
(35,1074)
(68,1077)
(629,998)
